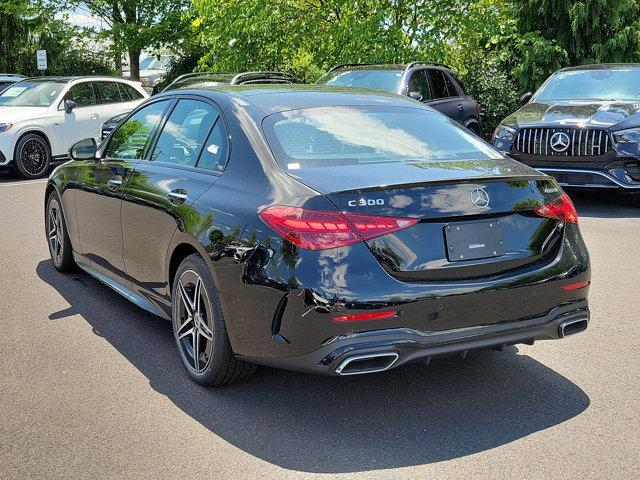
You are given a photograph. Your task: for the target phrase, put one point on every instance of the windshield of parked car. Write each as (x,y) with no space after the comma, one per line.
(347,135)
(388,80)
(155,63)
(31,94)
(618,84)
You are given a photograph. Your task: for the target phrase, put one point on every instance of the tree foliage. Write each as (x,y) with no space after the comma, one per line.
(27,26)
(133,25)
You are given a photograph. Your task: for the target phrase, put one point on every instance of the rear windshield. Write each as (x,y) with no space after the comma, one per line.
(348,135)
(388,80)
(618,84)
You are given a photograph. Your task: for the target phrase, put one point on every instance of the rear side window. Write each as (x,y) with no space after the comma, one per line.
(350,135)
(108,92)
(131,139)
(82,93)
(130,92)
(184,133)
(216,148)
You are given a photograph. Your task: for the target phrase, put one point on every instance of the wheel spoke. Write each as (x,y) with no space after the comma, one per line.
(184,334)
(196,297)
(196,349)
(185,298)
(205,331)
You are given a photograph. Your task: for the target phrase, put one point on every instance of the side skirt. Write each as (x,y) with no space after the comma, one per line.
(125,292)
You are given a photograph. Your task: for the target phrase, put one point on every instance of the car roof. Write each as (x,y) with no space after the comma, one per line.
(279,98)
(67,79)
(602,66)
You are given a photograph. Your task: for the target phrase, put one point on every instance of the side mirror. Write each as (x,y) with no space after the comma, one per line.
(416,96)
(525,98)
(69,105)
(84,150)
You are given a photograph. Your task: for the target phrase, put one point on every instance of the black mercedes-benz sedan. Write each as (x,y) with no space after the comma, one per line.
(582,126)
(318,229)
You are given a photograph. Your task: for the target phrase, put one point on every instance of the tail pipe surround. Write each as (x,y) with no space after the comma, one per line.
(367,363)
(571,327)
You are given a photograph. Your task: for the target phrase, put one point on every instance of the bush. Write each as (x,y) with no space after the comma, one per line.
(489,84)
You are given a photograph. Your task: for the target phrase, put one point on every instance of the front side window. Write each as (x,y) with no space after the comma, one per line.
(619,84)
(31,93)
(130,140)
(82,93)
(184,133)
(344,135)
(419,83)
(109,92)
(388,80)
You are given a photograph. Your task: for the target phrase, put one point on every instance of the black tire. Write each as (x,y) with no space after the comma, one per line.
(32,156)
(198,319)
(57,237)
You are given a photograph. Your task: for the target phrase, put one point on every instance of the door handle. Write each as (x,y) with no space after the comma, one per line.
(461,107)
(94,116)
(178,196)
(114,182)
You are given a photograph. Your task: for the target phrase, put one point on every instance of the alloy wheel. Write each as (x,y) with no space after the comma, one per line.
(34,156)
(55,232)
(193,322)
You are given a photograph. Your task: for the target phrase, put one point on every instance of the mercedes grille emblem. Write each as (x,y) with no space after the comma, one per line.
(559,142)
(480,197)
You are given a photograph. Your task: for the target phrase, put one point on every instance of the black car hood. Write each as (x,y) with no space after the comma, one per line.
(584,113)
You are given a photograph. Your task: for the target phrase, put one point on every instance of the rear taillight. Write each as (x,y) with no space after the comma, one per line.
(314,230)
(560,209)
(361,317)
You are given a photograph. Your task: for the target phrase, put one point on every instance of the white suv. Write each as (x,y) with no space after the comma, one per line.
(41,118)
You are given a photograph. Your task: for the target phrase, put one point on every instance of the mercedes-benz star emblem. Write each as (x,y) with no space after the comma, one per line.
(559,142)
(480,197)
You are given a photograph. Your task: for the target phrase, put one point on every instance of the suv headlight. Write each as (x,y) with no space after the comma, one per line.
(5,126)
(503,132)
(632,135)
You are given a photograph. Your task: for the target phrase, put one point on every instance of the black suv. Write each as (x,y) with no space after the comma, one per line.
(582,126)
(434,84)
(216,79)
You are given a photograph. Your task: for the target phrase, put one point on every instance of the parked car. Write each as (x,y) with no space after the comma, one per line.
(109,125)
(434,84)
(40,118)
(319,230)
(7,79)
(582,126)
(214,79)
(152,70)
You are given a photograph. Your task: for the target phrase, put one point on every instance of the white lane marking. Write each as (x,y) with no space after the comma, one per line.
(25,182)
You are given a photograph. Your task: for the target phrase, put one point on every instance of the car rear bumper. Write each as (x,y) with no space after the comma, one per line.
(379,350)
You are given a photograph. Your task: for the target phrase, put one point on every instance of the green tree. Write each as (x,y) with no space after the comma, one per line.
(558,33)
(133,25)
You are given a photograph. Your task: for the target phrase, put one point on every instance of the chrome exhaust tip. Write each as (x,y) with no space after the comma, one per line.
(572,327)
(367,363)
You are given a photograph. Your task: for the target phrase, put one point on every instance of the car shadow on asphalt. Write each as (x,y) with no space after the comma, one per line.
(409,416)
(604,204)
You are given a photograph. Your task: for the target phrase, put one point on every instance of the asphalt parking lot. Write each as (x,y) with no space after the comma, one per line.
(92,387)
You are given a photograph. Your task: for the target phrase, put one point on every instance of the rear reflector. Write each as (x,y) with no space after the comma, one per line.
(576,286)
(561,208)
(359,317)
(314,230)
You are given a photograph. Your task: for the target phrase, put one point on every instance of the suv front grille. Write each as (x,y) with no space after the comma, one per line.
(579,142)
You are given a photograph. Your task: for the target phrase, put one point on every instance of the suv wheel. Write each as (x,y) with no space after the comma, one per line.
(199,328)
(32,156)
